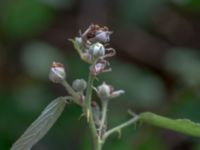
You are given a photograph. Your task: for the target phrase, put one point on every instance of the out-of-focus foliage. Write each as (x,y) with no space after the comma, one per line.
(184,63)
(59,4)
(39,51)
(158,68)
(131,11)
(192,5)
(24,18)
(143,88)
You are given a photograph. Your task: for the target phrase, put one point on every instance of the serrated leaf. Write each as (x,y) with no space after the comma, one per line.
(185,126)
(41,125)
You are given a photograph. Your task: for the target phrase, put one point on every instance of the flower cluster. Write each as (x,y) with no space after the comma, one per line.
(92,46)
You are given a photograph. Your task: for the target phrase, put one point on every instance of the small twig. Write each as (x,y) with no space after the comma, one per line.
(104,115)
(119,127)
(75,96)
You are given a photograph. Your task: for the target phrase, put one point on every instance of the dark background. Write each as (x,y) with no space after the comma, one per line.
(157,64)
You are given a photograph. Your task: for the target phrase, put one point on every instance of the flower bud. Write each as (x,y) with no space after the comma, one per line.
(103,36)
(97,68)
(104,91)
(79,85)
(97,50)
(79,40)
(57,73)
(96,33)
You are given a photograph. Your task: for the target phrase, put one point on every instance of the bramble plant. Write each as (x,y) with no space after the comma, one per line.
(92,46)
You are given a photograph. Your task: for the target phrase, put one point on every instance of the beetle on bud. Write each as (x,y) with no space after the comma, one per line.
(57,73)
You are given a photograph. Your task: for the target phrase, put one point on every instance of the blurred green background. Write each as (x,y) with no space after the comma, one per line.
(157,64)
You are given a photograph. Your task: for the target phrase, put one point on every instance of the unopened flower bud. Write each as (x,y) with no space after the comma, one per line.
(97,50)
(104,91)
(79,85)
(96,33)
(78,40)
(103,36)
(57,73)
(99,67)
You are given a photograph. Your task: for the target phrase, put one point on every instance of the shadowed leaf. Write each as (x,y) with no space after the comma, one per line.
(41,125)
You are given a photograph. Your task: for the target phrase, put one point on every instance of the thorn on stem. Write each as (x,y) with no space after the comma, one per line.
(88,115)
(119,133)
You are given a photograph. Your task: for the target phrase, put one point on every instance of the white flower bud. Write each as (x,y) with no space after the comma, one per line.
(97,68)
(79,40)
(57,73)
(103,36)
(104,91)
(96,33)
(97,50)
(79,85)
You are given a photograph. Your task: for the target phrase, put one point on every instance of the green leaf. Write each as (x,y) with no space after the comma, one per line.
(41,125)
(180,125)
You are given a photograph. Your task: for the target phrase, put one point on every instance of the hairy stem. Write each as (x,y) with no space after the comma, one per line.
(88,97)
(104,115)
(119,127)
(89,114)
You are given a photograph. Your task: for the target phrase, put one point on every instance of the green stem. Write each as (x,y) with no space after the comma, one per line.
(88,96)
(104,115)
(100,145)
(180,125)
(89,114)
(119,127)
(72,92)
